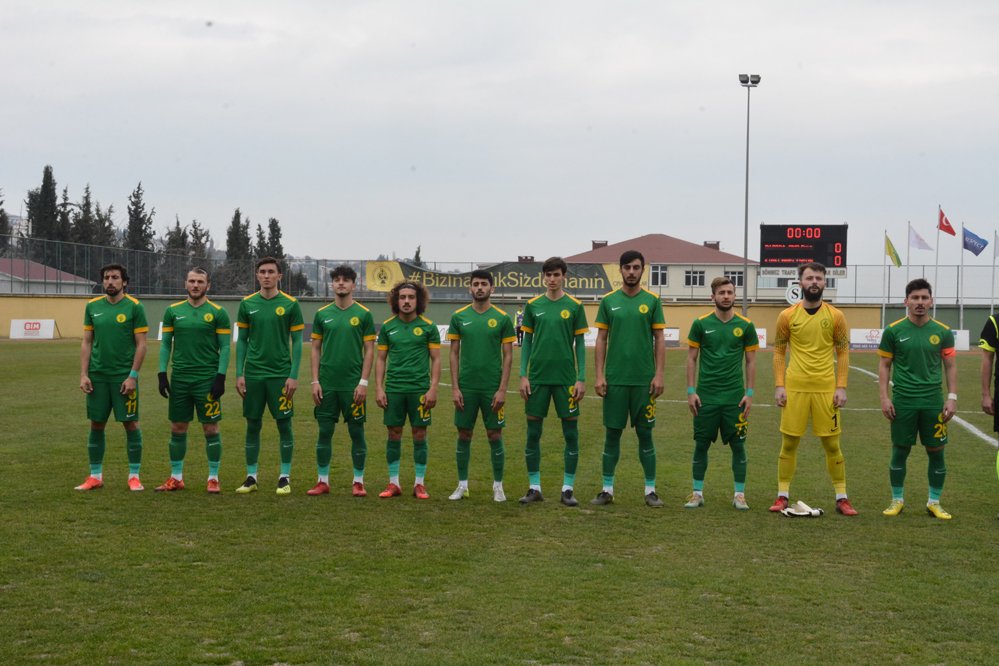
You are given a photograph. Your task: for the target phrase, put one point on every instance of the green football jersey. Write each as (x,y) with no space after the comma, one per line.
(268,324)
(343,333)
(114,326)
(554,325)
(408,345)
(196,332)
(629,322)
(482,338)
(722,348)
(916,353)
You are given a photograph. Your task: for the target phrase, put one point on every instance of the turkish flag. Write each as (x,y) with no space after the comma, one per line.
(944,225)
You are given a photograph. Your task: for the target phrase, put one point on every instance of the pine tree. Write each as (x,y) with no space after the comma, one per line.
(83,227)
(201,238)
(4,228)
(274,246)
(236,274)
(139,231)
(262,248)
(176,240)
(43,213)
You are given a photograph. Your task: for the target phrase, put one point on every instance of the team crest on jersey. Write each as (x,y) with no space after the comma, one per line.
(417,331)
(354,321)
(934,339)
(737,332)
(279,311)
(209,317)
(564,314)
(120,318)
(825,323)
(492,323)
(643,308)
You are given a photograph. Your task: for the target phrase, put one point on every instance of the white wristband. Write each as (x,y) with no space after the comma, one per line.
(316,382)
(952,396)
(363,382)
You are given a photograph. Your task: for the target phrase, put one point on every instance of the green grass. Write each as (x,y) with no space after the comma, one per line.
(118,577)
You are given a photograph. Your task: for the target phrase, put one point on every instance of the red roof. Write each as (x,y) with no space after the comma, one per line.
(659,249)
(32,271)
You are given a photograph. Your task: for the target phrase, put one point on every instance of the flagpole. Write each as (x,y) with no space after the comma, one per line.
(960,285)
(884,273)
(995,253)
(936,269)
(908,251)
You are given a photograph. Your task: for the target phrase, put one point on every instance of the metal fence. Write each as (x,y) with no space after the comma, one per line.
(35,266)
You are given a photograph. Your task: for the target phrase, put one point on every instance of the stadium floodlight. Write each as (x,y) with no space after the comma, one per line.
(747,81)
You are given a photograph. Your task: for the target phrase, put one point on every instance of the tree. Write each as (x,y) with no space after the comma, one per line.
(237,240)
(261,249)
(139,232)
(83,226)
(4,228)
(201,239)
(417,260)
(176,240)
(105,233)
(236,274)
(274,246)
(43,216)
(297,284)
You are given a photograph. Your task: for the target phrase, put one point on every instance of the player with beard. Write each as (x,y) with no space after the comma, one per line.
(407,371)
(630,361)
(912,352)
(113,348)
(719,400)
(197,332)
(482,339)
(811,386)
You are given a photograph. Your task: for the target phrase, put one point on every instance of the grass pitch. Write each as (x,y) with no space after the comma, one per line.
(118,577)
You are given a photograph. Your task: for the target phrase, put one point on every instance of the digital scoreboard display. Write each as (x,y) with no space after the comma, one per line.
(784,247)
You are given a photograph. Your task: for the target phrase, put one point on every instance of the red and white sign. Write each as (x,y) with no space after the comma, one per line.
(32,329)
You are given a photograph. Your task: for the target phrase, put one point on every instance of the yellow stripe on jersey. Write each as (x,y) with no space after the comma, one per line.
(168,329)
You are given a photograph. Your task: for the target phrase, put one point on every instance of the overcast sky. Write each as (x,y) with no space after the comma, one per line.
(484,130)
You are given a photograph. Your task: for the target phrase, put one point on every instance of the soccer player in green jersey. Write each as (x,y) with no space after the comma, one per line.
(407,371)
(482,339)
(197,332)
(719,400)
(912,351)
(554,324)
(114,346)
(266,373)
(343,342)
(630,360)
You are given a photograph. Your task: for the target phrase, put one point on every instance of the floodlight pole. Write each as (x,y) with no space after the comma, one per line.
(748,82)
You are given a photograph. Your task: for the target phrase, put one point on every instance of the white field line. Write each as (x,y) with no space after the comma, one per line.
(957,419)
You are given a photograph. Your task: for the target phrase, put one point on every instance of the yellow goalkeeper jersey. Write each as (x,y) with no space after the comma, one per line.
(814,339)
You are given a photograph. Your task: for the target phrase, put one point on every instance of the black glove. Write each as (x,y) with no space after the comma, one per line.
(164,385)
(218,386)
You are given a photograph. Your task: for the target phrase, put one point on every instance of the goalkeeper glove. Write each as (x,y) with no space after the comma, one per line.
(164,385)
(218,386)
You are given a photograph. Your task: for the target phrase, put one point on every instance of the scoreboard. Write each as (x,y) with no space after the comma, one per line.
(783,247)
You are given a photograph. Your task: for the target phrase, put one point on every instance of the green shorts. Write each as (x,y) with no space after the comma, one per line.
(336,403)
(107,397)
(476,402)
(188,397)
(401,405)
(269,392)
(727,419)
(927,423)
(634,402)
(543,394)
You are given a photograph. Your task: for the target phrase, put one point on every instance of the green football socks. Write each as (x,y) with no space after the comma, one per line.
(178,449)
(95,451)
(133,443)
(612,453)
(287,438)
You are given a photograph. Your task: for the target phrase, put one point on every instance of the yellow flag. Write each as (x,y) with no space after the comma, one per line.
(892,254)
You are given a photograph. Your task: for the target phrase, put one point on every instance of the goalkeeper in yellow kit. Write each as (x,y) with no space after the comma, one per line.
(811,386)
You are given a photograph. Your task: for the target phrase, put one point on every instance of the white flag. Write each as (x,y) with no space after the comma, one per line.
(916,241)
